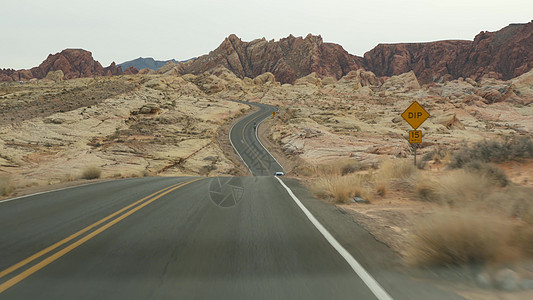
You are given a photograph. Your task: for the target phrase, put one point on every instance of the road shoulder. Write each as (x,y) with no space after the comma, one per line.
(377,258)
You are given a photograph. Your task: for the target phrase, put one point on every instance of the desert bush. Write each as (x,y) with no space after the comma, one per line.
(489,171)
(381,187)
(493,151)
(350,166)
(437,155)
(455,188)
(455,238)
(340,188)
(92,172)
(514,201)
(6,186)
(68,178)
(340,167)
(396,169)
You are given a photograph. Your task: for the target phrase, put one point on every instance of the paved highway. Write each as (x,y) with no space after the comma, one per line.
(243,136)
(194,238)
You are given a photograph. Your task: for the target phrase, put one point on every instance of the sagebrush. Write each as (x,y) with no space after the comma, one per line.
(92,172)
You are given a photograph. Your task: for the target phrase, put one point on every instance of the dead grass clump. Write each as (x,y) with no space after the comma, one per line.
(396,169)
(488,170)
(68,178)
(455,188)
(455,238)
(6,186)
(381,187)
(340,167)
(91,173)
(437,155)
(515,201)
(340,188)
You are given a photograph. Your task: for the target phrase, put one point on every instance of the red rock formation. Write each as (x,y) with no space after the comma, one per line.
(503,54)
(74,63)
(288,59)
(130,71)
(429,61)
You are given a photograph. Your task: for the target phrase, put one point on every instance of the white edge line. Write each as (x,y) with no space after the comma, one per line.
(257,137)
(235,149)
(372,284)
(51,191)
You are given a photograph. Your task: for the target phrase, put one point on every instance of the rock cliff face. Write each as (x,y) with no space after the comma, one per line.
(74,63)
(503,54)
(288,59)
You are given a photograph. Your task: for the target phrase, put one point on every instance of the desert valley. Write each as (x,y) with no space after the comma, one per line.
(339,130)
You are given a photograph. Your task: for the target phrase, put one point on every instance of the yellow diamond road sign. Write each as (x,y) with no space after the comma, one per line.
(415,115)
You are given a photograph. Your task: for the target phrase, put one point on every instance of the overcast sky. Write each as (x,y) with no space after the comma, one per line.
(121,30)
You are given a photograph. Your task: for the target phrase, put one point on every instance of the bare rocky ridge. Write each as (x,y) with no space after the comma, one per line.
(74,63)
(288,59)
(504,54)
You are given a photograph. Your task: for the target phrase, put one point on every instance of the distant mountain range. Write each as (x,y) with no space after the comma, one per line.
(145,63)
(503,54)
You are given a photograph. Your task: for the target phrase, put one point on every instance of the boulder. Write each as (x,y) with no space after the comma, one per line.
(311,79)
(401,83)
(54,76)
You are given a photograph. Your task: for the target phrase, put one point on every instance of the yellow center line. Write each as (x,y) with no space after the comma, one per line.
(75,235)
(244,139)
(6,285)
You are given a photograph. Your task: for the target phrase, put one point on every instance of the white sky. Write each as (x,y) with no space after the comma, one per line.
(121,30)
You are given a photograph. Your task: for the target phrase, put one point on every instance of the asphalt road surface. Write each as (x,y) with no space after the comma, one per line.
(243,136)
(192,238)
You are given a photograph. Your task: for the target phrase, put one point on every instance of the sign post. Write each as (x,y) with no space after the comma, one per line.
(415,115)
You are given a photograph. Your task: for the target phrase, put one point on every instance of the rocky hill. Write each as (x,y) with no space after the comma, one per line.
(73,63)
(145,63)
(503,54)
(288,59)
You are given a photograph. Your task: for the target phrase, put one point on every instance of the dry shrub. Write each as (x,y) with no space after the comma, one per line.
(338,167)
(438,155)
(454,238)
(6,186)
(340,188)
(91,173)
(514,201)
(455,188)
(494,151)
(68,178)
(488,170)
(381,187)
(396,169)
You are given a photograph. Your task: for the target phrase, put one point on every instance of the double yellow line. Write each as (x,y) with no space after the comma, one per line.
(126,211)
(247,145)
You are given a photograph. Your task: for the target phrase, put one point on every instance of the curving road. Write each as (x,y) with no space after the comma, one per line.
(194,238)
(243,137)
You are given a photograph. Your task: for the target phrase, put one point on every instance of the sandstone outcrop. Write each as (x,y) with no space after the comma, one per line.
(287,59)
(74,63)
(503,54)
(54,76)
(360,78)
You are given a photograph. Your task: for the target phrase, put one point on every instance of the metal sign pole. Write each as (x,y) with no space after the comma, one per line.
(415,154)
